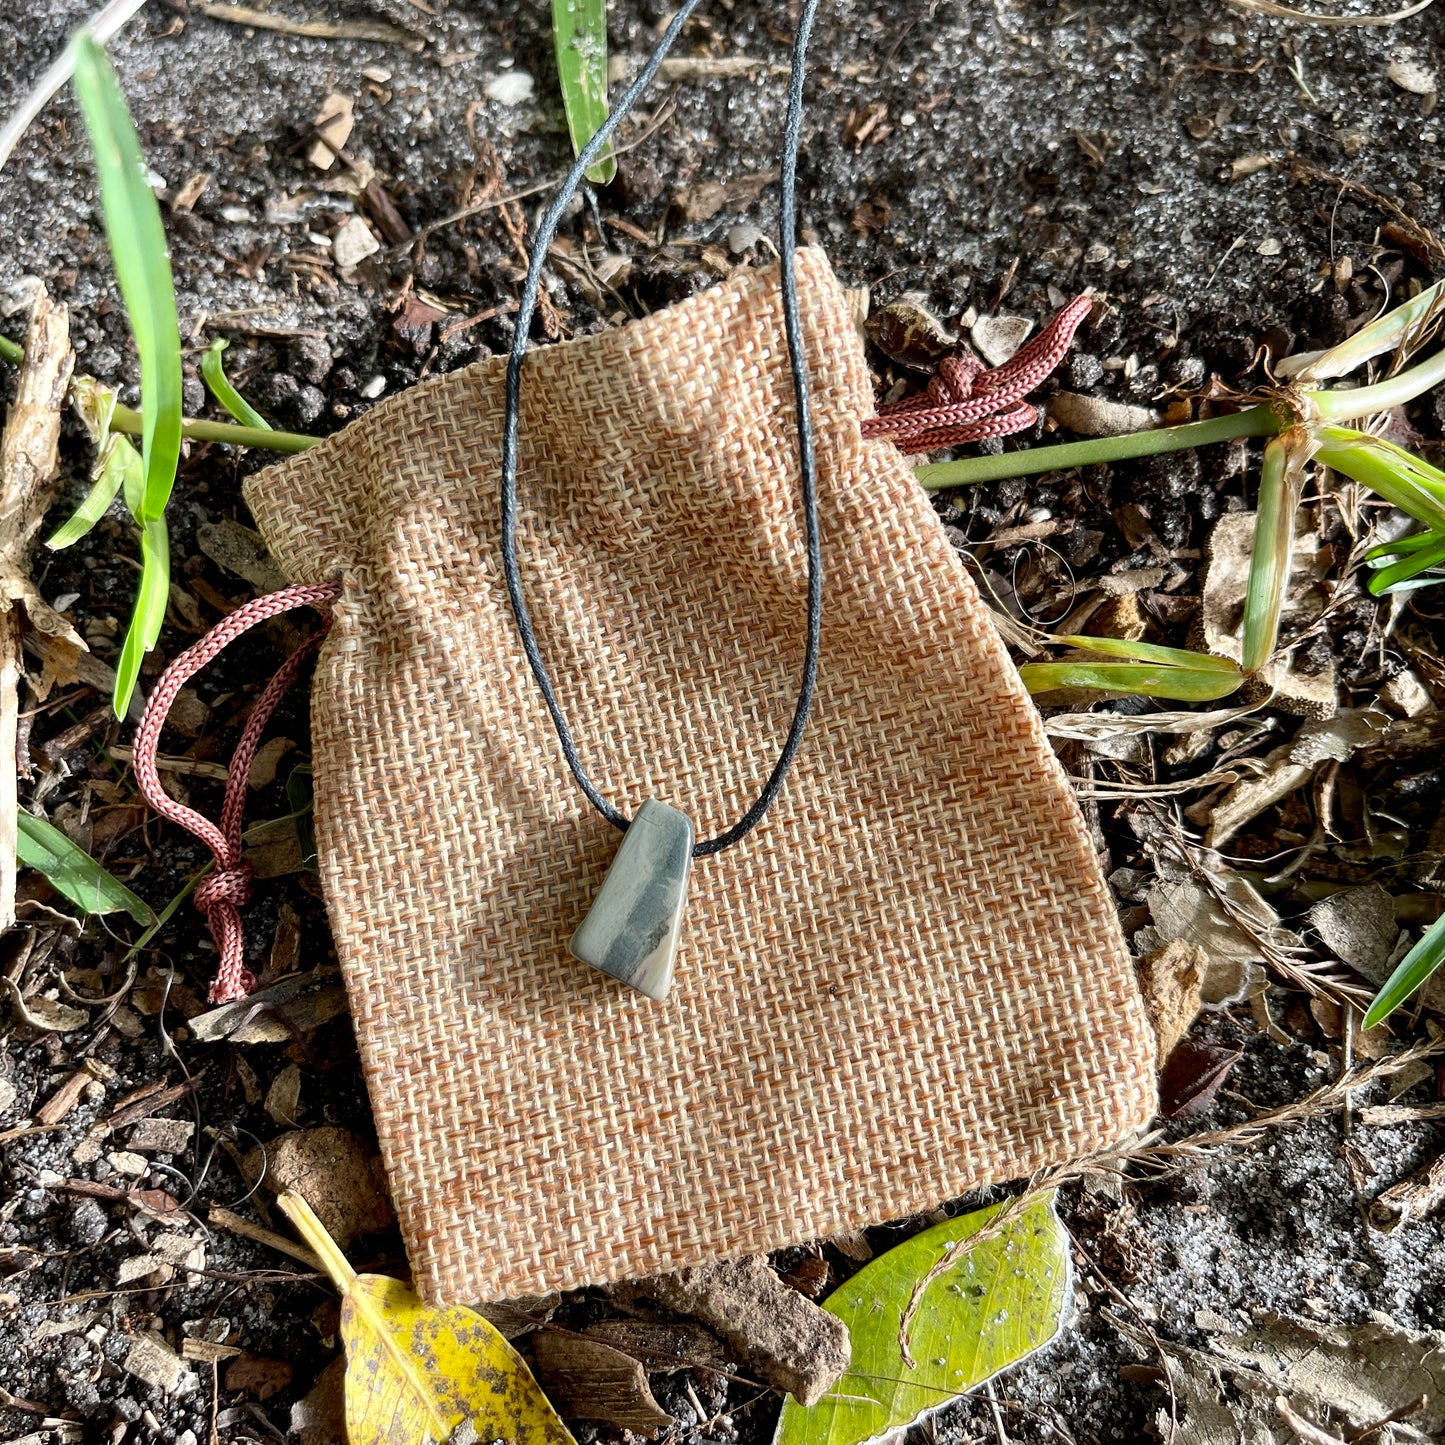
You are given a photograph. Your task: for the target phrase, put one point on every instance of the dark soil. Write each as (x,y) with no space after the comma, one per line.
(1025,151)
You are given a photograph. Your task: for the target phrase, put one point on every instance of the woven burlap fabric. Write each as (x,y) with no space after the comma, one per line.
(907,982)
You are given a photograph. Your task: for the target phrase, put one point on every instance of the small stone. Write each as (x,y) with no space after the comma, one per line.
(743,237)
(997,338)
(153,1361)
(353,243)
(162,1136)
(1092,416)
(632,928)
(88,1222)
(1411,74)
(336,1173)
(1270,246)
(785,1339)
(511,87)
(310,359)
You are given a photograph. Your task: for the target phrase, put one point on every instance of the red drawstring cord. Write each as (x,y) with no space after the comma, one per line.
(968,402)
(221,896)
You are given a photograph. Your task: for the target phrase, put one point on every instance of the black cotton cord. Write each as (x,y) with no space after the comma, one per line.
(792,326)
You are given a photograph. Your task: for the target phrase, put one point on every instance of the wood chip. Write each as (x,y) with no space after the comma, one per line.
(277,1014)
(1411,1199)
(663,1346)
(233,1223)
(589,1380)
(152,1360)
(64,1099)
(161,1136)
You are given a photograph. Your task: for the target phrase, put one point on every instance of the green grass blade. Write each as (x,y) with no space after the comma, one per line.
(142,267)
(1415,561)
(579,28)
(1385,333)
(1273,551)
(1403,480)
(122,468)
(149,614)
(213,372)
(74,873)
(1180,684)
(1414,970)
(1148,652)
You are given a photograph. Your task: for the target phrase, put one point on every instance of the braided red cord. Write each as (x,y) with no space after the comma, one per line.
(223,894)
(967,402)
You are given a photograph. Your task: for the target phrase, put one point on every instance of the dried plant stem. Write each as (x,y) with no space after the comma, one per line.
(29,461)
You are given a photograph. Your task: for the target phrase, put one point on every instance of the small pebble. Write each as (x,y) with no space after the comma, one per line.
(512,87)
(353,243)
(88,1222)
(742,238)
(1411,74)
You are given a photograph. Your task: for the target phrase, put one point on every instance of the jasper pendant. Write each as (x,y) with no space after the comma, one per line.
(632,928)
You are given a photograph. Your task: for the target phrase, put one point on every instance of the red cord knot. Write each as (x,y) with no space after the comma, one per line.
(967,401)
(226,888)
(222,896)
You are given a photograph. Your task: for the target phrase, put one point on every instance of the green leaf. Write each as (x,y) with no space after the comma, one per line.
(937,1316)
(1180,684)
(1414,969)
(1427,551)
(214,374)
(1149,652)
(1273,550)
(1398,327)
(1403,480)
(142,267)
(74,872)
(579,28)
(149,615)
(121,468)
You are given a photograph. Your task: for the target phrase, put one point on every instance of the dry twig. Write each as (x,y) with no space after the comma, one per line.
(29,462)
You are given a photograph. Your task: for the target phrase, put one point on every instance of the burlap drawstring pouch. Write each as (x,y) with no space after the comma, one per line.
(909,981)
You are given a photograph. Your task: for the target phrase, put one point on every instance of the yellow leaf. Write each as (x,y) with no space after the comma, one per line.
(415,1372)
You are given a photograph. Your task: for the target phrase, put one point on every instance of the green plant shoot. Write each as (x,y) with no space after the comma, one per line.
(74,873)
(1412,974)
(213,373)
(579,28)
(143,272)
(1149,670)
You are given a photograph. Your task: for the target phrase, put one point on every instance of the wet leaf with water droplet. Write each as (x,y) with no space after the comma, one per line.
(938,1315)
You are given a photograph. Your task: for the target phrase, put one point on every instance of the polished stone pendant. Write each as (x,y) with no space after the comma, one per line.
(632,928)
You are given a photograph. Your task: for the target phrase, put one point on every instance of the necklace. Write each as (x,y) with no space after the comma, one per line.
(632,928)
